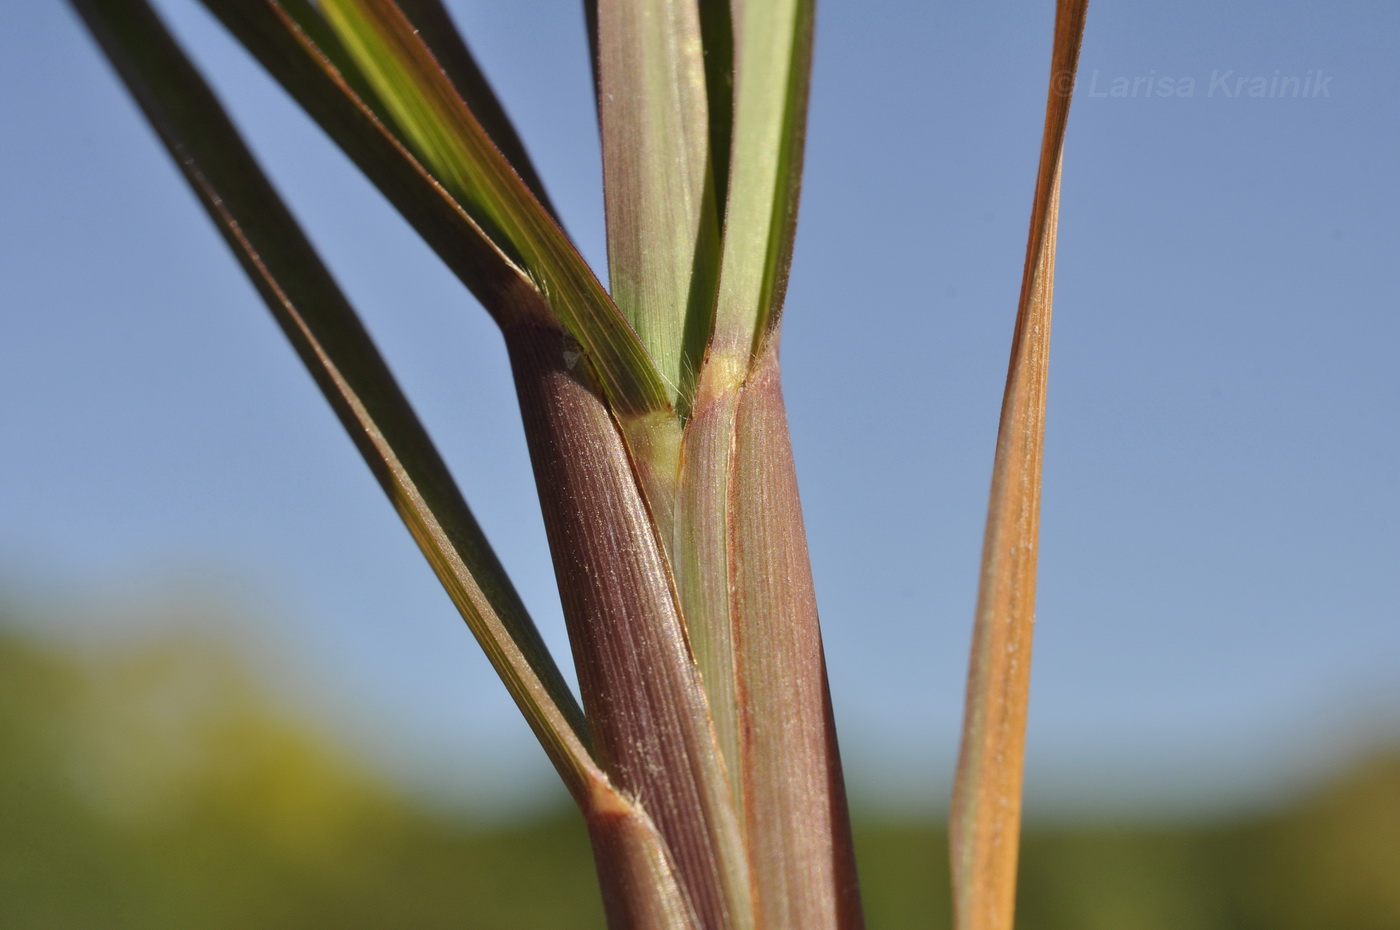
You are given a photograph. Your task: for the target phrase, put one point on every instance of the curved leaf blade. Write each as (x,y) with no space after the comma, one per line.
(290,40)
(338,351)
(984,826)
(452,142)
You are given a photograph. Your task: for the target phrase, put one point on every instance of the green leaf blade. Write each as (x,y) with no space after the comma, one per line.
(435,27)
(341,357)
(772,67)
(662,220)
(291,40)
(452,142)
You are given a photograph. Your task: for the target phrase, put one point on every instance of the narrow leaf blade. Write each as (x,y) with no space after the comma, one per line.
(341,357)
(290,40)
(447,136)
(435,27)
(772,49)
(662,222)
(985,823)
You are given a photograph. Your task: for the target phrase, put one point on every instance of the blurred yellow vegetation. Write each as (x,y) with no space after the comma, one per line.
(158,785)
(159,733)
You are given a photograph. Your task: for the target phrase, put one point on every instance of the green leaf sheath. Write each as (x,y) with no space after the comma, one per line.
(984,828)
(700,563)
(448,138)
(338,352)
(662,221)
(769,45)
(646,708)
(740,550)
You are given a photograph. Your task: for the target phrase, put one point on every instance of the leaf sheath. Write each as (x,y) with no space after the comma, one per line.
(646,708)
(796,823)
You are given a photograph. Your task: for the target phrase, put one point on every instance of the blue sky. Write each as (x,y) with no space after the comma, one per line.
(1219,584)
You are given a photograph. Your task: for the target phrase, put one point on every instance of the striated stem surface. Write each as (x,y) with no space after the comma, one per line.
(646,709)
(796,822)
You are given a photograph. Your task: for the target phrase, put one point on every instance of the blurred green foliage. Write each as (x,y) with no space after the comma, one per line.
(158,787)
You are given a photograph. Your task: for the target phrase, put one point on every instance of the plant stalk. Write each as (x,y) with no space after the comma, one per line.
(647,711)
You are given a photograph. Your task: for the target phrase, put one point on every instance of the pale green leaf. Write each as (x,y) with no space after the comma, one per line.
(662,222)
(772,51)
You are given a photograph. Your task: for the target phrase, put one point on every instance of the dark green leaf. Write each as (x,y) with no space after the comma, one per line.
(340,355)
